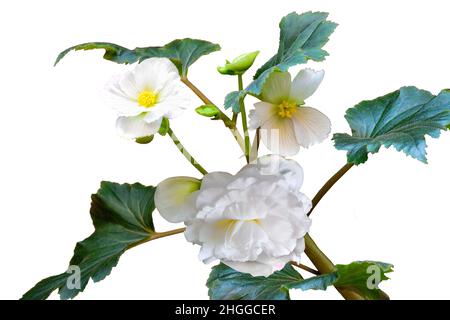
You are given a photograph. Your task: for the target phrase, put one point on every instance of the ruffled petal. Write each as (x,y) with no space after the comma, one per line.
(311,126)
(290,170)
(216,179)
(254,268)
(305,84)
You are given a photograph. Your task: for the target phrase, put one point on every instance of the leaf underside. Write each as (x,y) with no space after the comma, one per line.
(400,119)
(182,52)
(122,216)
(302,37)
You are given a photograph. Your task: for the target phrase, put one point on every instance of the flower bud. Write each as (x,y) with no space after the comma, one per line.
(207,110)
(164,128)
(145,140)
(239,65)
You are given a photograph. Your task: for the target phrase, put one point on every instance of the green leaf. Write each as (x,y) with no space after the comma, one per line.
(207,110)
(360,275)
(400,119)
(182,52)
(232,100)
(122,217)
(225,283)
(302,37)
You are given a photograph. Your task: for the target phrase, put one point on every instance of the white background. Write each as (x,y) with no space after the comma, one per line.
(58,139)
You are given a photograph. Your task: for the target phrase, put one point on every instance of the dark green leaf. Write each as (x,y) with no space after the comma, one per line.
(400,119)
(122,217)
(225,283)
(182,52)
(364,276)
(302,37)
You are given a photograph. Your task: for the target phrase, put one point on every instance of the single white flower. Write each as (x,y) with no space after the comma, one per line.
(254,221)
(285,122)
(146,95)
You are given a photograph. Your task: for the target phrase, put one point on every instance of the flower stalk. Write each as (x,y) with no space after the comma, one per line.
(185,153)
(229,123)
(244,121)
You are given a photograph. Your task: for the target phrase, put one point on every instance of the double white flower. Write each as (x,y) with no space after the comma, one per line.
(146,95)
(254,221)
(285,122)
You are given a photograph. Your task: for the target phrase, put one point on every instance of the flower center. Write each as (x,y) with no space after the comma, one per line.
(147,98)
(286,109)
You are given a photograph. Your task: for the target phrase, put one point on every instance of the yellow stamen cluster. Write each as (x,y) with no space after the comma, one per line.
(286,109)
(147,98)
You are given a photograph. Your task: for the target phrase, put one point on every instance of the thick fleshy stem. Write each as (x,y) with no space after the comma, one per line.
(229,123)
(324,265)
(185,153)
(317,257)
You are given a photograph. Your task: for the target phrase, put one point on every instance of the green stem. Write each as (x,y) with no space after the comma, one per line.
(234,119)
(157,235)
(244,121)
(324,265)
(185,153)
(329,184)
(229,123)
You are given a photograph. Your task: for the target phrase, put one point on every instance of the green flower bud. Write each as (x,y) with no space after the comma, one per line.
(164,127)
(239,65)
(145,140)
(207,110)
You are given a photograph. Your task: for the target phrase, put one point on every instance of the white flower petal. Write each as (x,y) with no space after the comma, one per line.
(253,221)
(305,84)
(136,127)
(311,126)
(263,111)
(128,85)
(216,179)
(154,74)
(291,171)
(174,199)
(276,88)
(254,268)
(278,136)
(124,104)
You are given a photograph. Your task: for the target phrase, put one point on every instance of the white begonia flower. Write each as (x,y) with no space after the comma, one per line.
(286,124)
(146,95)
(254,221)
